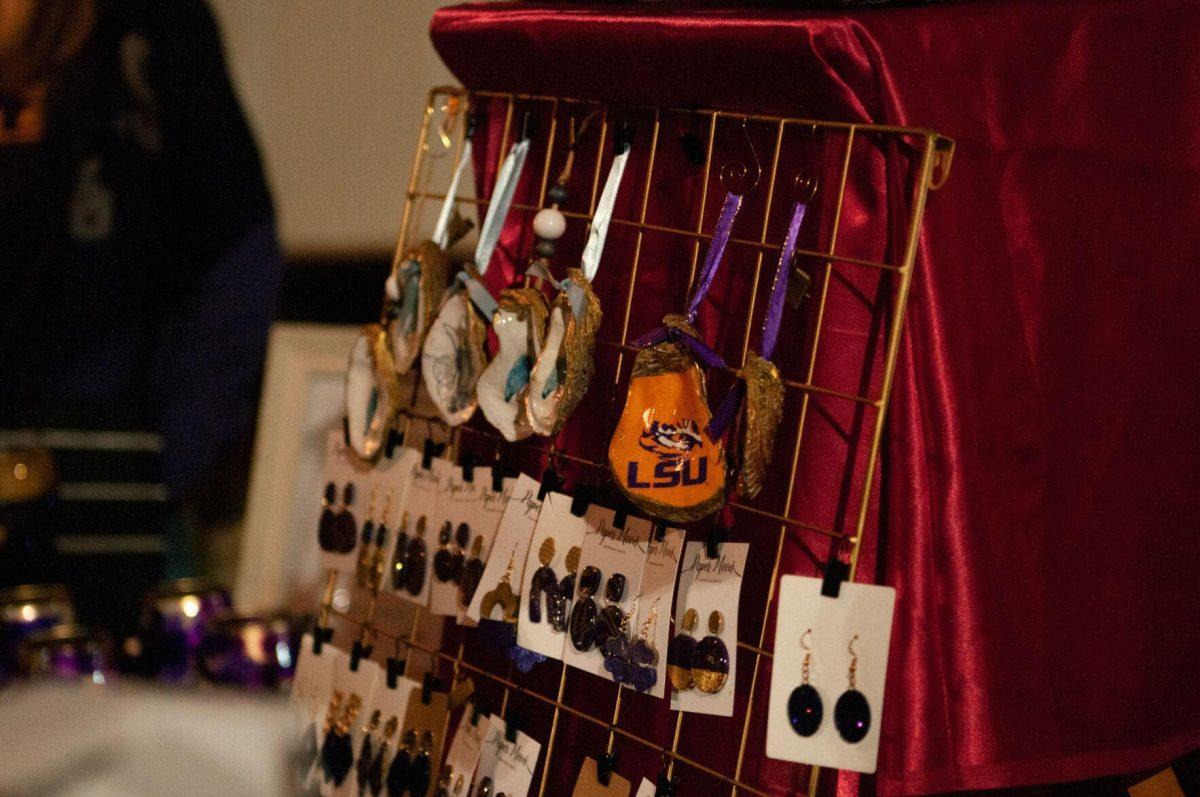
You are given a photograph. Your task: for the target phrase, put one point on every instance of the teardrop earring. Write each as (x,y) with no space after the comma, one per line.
(544,581)
(852,713)
(612,616)
(398,773)
(400,554)
(326,525)
(560,600)
(462,535)
(366,752)
(710,662)
(345,526)
(414,560)
(804,706)
(443,560)
(680,653)
(375,771)
(375,560)
(419,775)
(472,574)
(362,571)
(585,612)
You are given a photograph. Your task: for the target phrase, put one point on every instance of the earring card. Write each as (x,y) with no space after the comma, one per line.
(420,510)
(391,705)
(397,481)
(485,523)
(588,783)
(465,750)
(339,544)
(862,610)
(456,506)
(610,550)
(313,677)
(427,717)
(364,682)
(646,789)
(658,588)
(708,586)
(510,546)
(509,765)
(558,528)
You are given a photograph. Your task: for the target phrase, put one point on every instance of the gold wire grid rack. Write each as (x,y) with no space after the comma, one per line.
(921,158)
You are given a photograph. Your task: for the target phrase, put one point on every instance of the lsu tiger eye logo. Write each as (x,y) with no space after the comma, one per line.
(673,444)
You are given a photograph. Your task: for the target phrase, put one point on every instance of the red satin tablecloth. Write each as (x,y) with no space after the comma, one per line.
(1041,477)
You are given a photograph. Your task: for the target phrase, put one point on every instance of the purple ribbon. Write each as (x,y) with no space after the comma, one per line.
(733,399)
(699,348)
(716,249)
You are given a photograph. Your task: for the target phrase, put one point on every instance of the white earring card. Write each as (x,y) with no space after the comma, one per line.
(420,510)
(509,765)
(484,524)
(862,614)
(611,550)
(711,586)
(465,750)
(341,521)
(455,508)
(557,530)
(511,545)
(658,588)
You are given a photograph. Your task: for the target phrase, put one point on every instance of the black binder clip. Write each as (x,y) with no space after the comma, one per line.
(468,466)
(513,723)
(660,532)
(716,537)
(620,515)
(499,471)
(428,687)
(474,119)
(358,652)
(581,500)
(605,765)
(346,430)
(836,571)
(319,637)
(478,711)
(526,126)
(394,440)
(665,786)
(623,136)
(431,452)
(551,483)
(395,668)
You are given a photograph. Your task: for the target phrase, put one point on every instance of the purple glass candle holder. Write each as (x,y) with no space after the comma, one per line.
(69,653)
(26,610)
(173,620)
(252,650)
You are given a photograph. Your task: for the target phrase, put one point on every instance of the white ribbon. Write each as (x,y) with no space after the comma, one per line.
(502,197)
(441,231)
(590,262)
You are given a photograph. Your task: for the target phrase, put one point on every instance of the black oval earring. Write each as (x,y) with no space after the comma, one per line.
(472,574)
(326,526)
(398,773)
(344,527)
(414,560)
(361,576)
(367,750)
(375,771)
(680,652)
(419,774)
(710,662)
(852,713)
(804,705)
(462,535)
(612,617)
(443,560)
(584,613)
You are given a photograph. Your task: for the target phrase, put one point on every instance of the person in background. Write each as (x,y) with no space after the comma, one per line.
(139,267)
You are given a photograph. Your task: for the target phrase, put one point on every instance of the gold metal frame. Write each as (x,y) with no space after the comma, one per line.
(930,157)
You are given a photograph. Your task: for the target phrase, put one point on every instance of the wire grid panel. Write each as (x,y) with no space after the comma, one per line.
(852,316)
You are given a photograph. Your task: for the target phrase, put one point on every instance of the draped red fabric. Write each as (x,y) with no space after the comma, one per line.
(1041,475)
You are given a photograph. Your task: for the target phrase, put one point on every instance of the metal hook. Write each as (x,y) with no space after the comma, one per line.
(851,646)
(735,171)
(808,635)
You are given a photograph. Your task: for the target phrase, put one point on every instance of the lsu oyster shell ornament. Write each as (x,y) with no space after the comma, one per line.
(564,368)
(760,387)
(662,455)
(453,358)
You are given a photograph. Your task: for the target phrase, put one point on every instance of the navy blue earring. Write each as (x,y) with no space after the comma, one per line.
(804,706)
(851,713)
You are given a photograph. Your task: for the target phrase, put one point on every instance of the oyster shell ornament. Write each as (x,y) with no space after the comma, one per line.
(519,323)
(662,454)
(373,395)
(453,357)
(563,370)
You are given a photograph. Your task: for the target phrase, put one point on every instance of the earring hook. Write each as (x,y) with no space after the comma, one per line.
(736,171)
(805,636)
(851,646)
